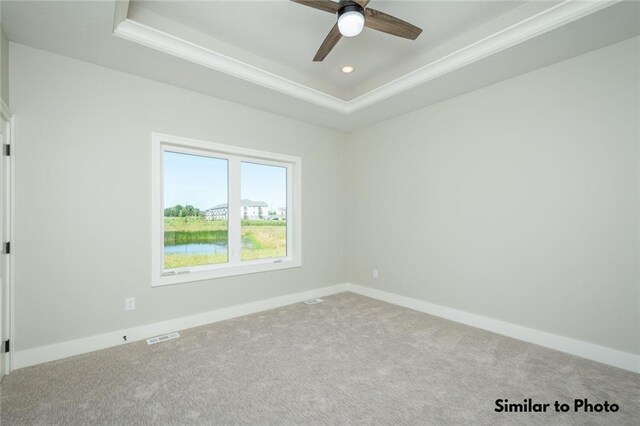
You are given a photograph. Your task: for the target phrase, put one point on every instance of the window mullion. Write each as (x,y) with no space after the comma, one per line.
(233,214)
(291,219)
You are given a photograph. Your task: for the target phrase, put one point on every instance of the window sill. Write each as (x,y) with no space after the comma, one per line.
(221,271)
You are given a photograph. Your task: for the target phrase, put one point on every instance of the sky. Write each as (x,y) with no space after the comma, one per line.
(202,181)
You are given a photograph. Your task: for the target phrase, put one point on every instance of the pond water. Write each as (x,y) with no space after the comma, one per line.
(196,248)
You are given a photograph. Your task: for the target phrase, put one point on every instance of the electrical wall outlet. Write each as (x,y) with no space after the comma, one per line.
(129,303)
(375,273)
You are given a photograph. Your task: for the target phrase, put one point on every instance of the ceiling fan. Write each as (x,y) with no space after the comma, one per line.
(353,15)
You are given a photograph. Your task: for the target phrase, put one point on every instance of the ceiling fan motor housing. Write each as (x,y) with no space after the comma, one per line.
(349,6)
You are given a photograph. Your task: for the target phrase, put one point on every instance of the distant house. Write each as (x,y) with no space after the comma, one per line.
(218,212)
(278,214)
(249,209)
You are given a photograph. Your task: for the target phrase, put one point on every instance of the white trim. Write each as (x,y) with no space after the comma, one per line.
(235,155)
(560,343)
(10,236)
(12,230)
(121,12)
(26,358)
(616,358)
(159,40)
(547,20)
(5,292)
(234,205)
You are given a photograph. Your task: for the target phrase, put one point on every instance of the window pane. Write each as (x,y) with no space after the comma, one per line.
(195,204)
(263,211)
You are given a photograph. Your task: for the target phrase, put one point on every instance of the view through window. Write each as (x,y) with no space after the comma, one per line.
(194,187)
(196,210)
(263,211)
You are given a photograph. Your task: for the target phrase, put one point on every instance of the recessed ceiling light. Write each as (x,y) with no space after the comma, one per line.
(348,69)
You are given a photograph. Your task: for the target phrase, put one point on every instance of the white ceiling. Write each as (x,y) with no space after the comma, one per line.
(465,46)
(290,34)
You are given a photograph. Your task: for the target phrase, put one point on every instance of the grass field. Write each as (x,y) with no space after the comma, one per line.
(261,239)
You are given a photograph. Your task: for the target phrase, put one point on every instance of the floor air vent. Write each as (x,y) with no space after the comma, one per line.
(162,338)
(313,301)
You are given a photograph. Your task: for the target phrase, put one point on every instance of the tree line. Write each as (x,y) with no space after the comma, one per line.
(183,211)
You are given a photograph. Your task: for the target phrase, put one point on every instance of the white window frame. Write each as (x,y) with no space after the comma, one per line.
(235,156)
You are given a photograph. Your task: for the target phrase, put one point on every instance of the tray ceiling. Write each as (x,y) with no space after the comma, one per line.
(258,53)
(289,34)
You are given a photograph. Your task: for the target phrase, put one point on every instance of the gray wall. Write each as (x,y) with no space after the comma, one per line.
(4,67)
(4,64)
(517,202)
(83,197)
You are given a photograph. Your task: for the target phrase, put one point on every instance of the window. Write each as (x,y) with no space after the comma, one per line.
(192,235)
(262,238)
(220,210)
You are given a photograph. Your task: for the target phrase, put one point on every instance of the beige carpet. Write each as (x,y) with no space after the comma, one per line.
(349,360)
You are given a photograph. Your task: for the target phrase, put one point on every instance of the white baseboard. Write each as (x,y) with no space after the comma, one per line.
(56,351)
(568,345)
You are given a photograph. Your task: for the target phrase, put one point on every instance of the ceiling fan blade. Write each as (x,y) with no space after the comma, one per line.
(362,3)
(329,43)
(390,24)
(325,5)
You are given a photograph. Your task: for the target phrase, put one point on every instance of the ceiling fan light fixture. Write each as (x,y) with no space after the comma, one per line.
(350,20)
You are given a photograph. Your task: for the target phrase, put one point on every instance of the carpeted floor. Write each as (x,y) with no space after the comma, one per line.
(349,360)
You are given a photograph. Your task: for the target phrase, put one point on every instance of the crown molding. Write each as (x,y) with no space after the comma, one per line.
(122,11)
(191,52)
(538,24)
